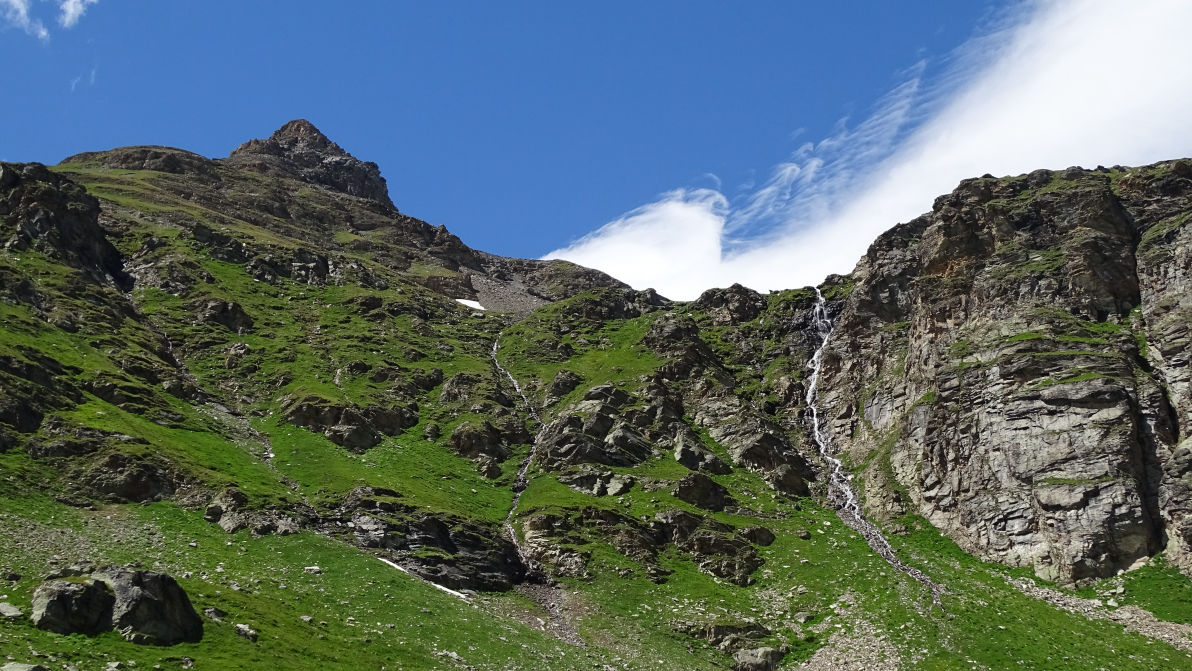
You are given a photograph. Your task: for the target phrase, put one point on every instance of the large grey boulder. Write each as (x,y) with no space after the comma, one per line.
(146,607)
(73,606)
(150,608)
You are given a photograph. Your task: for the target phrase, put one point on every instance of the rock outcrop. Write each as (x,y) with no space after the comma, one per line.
(300,151)
(1020,351)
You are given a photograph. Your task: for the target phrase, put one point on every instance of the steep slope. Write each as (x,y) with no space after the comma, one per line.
(254,373)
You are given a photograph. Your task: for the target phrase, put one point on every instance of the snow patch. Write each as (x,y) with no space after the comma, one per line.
(452,592)
(475,305)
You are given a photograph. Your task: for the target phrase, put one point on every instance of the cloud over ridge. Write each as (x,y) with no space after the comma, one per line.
(1056,83)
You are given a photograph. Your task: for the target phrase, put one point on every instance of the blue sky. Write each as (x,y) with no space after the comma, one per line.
(524,127)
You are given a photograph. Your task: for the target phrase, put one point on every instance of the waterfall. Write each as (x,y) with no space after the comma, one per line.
(520,482)
(840,489)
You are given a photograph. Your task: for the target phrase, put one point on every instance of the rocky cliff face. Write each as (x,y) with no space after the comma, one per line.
(1008,367)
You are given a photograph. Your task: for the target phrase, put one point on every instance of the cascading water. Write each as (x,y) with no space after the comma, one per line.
(519,482)
(840,489)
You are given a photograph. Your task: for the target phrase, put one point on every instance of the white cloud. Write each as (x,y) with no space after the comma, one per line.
(16,13)
(72,11)
(1078,82)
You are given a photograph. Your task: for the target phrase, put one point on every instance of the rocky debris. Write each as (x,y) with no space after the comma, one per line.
(44,211)
(299,151)
(229,509)
(593,431)
(18,666)
(712,545)
(734,305)
(1131,618)
(124,477)
(247,632)
(228,314)
(227,501)
(547,540)
(596,481)
(758,659)
(374,499)
(726,637)
(701,491)
(7,610)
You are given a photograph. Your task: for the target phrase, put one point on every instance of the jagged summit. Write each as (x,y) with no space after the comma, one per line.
(299,150)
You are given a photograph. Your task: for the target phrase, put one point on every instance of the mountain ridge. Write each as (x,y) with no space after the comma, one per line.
(231,365)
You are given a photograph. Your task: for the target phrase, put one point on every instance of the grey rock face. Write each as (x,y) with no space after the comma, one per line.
(594,431)
(18,666)
(596,481)
(733,305)
(120,477)
(1007,395)
(8,610)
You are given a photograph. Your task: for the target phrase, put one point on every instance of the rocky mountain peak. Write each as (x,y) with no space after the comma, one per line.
(299,150)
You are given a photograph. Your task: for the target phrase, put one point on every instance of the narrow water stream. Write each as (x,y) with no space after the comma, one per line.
(840,489)
(519,482)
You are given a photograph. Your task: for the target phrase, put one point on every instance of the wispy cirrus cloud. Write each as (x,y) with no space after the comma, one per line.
(1055,83)
(18,14)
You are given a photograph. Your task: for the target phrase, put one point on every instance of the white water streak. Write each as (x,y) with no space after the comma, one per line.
(519,482)
(840,489)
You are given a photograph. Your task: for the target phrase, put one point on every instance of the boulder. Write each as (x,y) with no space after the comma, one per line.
(228,314)
(150,608)
(702,491)
(7,610)
(757,659)
(690,453)
(73,606)
(146,607)
(758,535)
(564,383)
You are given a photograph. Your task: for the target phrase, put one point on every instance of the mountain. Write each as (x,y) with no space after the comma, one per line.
(251,387)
